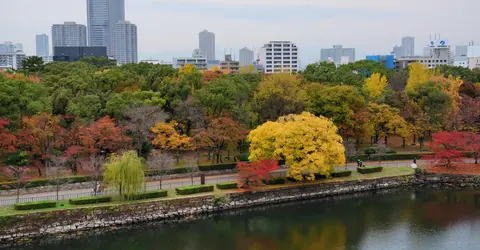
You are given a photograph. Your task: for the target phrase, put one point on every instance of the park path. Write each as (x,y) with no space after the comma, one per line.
(168,184)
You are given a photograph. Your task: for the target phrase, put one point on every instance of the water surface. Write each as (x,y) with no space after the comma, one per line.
(400,219)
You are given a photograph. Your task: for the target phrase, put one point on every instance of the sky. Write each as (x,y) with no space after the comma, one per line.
(169,28)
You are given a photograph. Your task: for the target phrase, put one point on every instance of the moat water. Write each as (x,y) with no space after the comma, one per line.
(399,219)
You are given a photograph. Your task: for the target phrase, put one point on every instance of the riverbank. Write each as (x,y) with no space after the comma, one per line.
(22,228)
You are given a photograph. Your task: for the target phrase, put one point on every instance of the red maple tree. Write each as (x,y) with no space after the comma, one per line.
(253,173)
(472,145)
(448,148)
(7,139)
(223,133)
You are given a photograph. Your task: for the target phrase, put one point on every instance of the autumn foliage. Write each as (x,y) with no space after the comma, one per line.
(7,139)
(253,173)
(451,148)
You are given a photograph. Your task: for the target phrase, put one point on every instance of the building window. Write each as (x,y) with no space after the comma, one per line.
(277,62)
(294,57)
(286,49)
(277,54)
(277,58)
(294,66)
(269,62)
(268,70)
(269,58)
(286,45)
(286,54)
(269,54)
(286,62)
(269,49)
(277,45)
(294,62)
(294,54)
(287,58)
(277,49)
(269,66)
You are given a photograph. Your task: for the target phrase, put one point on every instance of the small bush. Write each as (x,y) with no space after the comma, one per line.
(90,200)
(370,151)
(369,170)
(167,171)
(241,157)
(150,195)
(275,181)
(227,185)
(391,151)
(226,166)
(194,189)
(35,205)
(391,157)
(338,174)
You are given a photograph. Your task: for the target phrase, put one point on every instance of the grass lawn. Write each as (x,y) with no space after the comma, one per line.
(387,172)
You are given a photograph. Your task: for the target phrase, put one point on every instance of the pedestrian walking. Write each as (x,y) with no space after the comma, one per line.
(415,160)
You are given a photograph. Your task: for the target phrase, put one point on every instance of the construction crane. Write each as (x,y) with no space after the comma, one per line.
(258,55)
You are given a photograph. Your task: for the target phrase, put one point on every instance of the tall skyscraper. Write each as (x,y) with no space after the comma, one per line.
(207,44)
(125,42)
(102,17)
(408,46)
(69,34)
(42,45)
(338,55)
(246,57)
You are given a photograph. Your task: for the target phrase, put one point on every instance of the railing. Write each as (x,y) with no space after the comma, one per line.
(8,201)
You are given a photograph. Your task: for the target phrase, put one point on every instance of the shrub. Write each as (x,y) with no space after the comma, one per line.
(241,157)
(167,171)
(370,151)
(226,166)
(35,205)
(275,181)
(227,185)
(338,174)
(391,151)
(150,195)
(391,157)
(369,170)
(194,189)
(90,200)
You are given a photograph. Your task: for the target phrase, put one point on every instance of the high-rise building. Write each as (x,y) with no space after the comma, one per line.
(9,47)
(397,51)
(387,60)
(125,42)
(42,45)
(338,55)
(206,41)
(280,56)
(102,17)
(69,34)
(408,46)
(246,57)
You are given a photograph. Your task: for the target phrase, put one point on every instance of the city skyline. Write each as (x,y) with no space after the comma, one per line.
(253,27)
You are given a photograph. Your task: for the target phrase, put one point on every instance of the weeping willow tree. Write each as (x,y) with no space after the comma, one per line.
(125,173)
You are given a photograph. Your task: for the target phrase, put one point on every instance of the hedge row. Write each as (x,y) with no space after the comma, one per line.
(227,185)
(225,166)
(167,171)
(150,195)
(194,189)
(90,200)
(275,181)
(338,174)
(391,157)
(35,205)
(46,182)
(241,157)
(369,170)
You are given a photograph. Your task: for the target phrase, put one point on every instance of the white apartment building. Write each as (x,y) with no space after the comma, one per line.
(246,57)
(125,42)
(280,56)
(11,60)
(69,34)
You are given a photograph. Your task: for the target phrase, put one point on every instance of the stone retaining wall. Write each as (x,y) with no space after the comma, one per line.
(90,185)
(20,229)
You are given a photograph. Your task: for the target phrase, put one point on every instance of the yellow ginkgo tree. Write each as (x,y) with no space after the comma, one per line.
(375,85)
(307,143)
(167,138)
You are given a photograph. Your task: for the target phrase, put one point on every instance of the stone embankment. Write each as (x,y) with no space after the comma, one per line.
(21,229)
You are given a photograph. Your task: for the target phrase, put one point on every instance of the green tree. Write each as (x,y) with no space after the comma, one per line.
(20,96)
(322,72)
(120,102)
(126,173)
(99,62)
(31,65)
(339,103)
(278,95)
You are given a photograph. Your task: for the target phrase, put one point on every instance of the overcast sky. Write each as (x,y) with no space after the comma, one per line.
(168,28)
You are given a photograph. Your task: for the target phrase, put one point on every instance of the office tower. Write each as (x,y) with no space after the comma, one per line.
(102,17)
(42,45)
(74,53)
(69,34)
(338,55)
(207,44)
(125,42)
(408,46)
(246,57)
(280,56)
(397,51)
(9,47)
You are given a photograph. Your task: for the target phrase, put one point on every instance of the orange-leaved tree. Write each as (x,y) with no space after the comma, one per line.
(40,135)
(252,174)
(167,138)
(7,139)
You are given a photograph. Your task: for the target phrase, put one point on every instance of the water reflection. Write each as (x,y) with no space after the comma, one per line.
(424,219)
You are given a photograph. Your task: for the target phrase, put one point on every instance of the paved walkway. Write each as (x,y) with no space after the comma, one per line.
(167,184)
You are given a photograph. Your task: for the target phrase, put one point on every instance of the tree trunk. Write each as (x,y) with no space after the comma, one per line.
(198,156)
(403,144)
(209,151)
(414,139)
(58,189)
(420,140)
(386,140)
(160,182)
(18,194)
(228,154)
(178,156)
